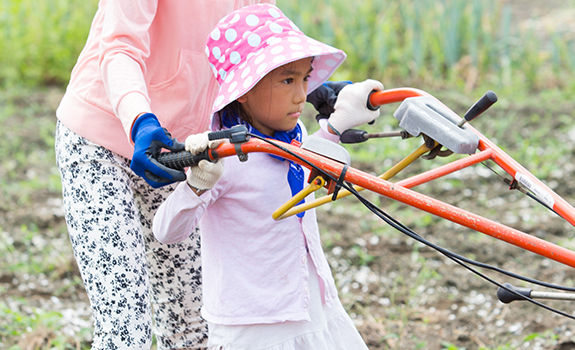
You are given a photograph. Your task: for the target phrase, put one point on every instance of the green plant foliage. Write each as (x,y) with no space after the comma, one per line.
(450,346)
(455,42)
(462,43)
(41,40)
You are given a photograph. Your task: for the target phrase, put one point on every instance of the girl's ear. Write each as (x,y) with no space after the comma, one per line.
(242,99)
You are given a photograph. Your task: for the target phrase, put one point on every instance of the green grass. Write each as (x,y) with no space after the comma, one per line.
(35,252)
(43,329)
(26,146)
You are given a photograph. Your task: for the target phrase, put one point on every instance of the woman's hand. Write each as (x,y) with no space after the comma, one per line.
(149,139)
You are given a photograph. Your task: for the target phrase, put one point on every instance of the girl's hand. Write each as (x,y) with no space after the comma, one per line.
(204,176)
(351,106)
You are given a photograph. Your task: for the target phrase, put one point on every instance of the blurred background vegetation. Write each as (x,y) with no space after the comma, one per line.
(453,43)
(433,42)
(454,49)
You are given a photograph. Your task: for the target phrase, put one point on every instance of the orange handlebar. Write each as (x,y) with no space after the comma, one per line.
(384,97)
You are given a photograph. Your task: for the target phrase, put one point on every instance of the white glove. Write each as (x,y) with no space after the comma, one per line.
(204,176)
(351,106)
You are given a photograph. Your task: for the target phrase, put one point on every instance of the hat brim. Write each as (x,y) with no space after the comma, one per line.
(276,52)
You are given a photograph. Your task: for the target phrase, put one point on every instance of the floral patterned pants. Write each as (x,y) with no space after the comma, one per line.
(128,275)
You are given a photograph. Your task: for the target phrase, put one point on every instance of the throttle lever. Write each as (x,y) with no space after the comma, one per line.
(353,136)
(237,133)
(479,107)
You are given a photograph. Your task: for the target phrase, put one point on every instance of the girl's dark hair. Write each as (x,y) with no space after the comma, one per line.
(235,108)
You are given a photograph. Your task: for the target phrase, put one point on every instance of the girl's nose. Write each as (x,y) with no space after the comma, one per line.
(301,93)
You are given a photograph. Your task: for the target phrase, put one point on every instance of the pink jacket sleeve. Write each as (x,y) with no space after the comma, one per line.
(124,47)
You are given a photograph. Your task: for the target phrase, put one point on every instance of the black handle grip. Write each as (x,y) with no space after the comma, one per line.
(353,136)
(220,134)
(182,159)
(481,106)
(237,133)
(369,105)
(506,296)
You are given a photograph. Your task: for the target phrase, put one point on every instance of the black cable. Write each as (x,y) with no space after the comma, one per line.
(532,196)
(402,227)
(521,189)
(399,226)
(453,256)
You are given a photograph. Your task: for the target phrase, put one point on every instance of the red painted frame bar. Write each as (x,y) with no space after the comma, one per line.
(512,167)
(409,197)
(564,209)
(445,169)
(401,192)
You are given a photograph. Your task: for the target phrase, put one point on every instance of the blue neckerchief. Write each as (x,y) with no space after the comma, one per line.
(295,175)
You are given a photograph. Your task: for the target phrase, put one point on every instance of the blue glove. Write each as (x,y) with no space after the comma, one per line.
(149,139)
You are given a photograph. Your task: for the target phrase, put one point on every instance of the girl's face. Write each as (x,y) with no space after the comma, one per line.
(275,103)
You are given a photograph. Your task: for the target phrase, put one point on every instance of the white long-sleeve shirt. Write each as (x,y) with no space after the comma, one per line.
(253,267)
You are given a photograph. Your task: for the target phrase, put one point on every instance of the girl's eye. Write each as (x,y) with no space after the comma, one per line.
(288,80)
(306,78)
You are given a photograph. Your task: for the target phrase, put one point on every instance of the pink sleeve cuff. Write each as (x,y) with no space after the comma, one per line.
(324,133)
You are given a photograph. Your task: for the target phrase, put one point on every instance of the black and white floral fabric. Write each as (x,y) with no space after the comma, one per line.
(128,275)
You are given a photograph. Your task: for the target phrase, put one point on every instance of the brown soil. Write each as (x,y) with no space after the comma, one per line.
(401,294)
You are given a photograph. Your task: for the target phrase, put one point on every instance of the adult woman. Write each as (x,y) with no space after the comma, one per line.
(142,58)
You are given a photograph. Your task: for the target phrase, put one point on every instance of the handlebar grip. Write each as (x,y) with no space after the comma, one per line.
(481,106)
(370,107)
(217,135)
(237,133)
(353,136)
(506,297)
(182,159)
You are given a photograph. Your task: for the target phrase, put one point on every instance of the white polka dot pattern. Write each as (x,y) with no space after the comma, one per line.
(252,20)
(231,35)
(250,42)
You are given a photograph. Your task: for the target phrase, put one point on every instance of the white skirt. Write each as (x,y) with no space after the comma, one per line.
(329,329)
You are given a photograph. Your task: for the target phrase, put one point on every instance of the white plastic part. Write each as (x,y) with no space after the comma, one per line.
(327,149)
(426,115)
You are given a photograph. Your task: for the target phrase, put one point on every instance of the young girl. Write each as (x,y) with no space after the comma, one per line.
(266,284)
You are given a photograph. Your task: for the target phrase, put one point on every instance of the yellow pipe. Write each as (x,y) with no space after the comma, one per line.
(343,193)
(315,185)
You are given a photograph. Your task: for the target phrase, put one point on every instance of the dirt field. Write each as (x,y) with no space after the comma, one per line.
(401,294)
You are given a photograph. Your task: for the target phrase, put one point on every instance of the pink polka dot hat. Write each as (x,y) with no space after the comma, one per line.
(250,42)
